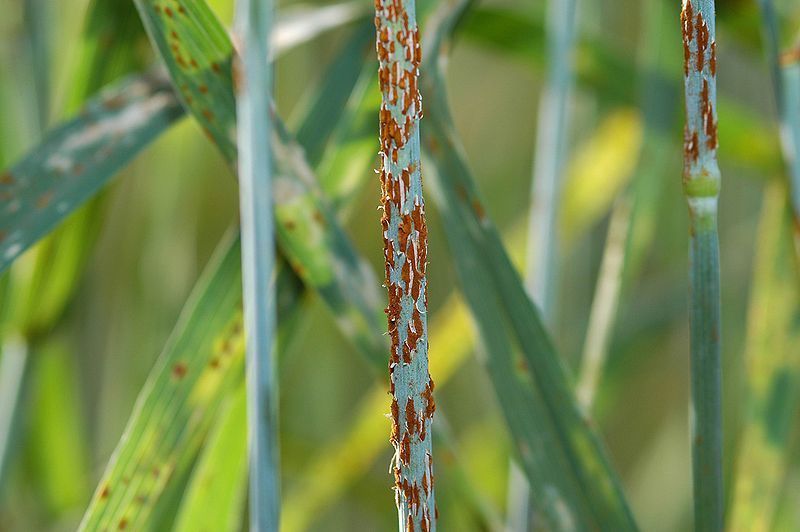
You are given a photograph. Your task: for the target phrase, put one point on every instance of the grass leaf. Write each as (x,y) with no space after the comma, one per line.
(202,361)
(75,160)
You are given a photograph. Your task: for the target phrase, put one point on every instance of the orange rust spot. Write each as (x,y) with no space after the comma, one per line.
(702,41)
(7,179)
(179,370)
(123,524)
(687,31)
(430,403)
(168,11)
(711,133)
(203,89)
(105,493)
(193,63)
(405,450)
(478,208)
(395,418)
(208,115)
(215,67)
(412,423)
(174,35)
(214,363)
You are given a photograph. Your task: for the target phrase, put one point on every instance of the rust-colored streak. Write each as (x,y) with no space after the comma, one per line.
(713,61)
(702,41)
(123,524)
(405,450)
(169,12)
(710,125)
(412,423)
(687,31)
(430,404)
(104,493)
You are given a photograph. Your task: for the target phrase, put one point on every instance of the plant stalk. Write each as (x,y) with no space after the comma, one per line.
(254,129)
(548,169)
(701,183)
(405,250)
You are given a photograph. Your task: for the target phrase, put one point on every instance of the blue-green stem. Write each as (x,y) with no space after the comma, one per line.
(254,131)
(405,250)
(701,180)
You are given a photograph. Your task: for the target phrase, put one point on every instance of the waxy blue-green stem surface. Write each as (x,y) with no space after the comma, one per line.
(701,181)
(405,250)
(253,20)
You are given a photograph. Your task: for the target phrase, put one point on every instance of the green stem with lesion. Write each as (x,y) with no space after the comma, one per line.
(701,180)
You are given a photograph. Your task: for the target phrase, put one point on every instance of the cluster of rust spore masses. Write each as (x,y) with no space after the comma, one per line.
(405,237)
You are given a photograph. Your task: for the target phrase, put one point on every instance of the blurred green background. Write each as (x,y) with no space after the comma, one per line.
(156,226)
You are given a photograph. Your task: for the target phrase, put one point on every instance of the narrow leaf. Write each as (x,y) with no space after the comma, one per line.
(75,160)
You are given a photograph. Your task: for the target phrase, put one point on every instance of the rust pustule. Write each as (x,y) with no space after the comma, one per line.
(702,42)
(687,31)
(7,179)
(179,370)
(411,417)
(405,450)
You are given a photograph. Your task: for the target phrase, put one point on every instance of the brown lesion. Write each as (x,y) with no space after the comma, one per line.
(702,41)
(687,31)
(179,370)
(709,123)
(6,178)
